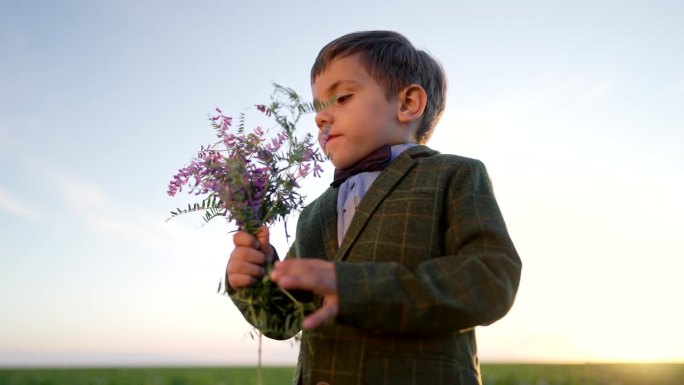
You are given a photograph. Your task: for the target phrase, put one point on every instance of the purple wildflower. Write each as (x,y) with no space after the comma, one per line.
(250,177)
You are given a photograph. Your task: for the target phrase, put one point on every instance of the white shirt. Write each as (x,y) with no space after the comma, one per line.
(353,190)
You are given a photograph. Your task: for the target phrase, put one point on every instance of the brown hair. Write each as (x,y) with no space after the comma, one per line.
(394,63)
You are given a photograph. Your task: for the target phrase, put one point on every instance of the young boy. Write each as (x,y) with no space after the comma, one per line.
(407,251)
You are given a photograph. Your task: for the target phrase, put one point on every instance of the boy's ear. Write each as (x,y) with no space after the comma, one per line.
(411,103)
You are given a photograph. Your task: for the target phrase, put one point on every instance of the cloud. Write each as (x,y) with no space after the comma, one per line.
(16,207)
(120,222)
(82,196)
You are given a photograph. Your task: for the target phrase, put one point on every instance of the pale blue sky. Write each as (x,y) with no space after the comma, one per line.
(574,107)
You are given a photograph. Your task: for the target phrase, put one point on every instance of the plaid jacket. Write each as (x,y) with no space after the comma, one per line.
(426,258)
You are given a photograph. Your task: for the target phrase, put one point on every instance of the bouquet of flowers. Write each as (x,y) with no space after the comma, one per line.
(251,177)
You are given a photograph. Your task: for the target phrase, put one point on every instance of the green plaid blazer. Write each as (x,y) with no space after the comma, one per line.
(426,258)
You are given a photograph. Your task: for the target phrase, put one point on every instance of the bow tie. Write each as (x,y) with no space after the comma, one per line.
(375,161)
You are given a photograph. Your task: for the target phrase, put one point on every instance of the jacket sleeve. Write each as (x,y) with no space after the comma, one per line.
(473,283)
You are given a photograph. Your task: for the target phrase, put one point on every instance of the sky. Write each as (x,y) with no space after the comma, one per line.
(574,107)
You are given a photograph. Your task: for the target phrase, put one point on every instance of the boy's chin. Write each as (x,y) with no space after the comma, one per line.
(336,161)
(340,165)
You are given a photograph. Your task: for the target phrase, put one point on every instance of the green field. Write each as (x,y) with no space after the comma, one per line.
(493,374)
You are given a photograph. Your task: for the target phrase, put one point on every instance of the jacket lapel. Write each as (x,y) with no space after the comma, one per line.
(328,221)
(382,186)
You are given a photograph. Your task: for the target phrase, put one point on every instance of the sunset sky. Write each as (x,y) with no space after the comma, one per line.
(575,108)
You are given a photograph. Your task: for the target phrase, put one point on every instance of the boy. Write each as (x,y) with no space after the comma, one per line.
(405,260)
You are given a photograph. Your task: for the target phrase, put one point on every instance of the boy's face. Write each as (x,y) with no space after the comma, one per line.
(360,119)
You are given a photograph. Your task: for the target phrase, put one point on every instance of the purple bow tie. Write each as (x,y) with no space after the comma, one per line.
(375,161)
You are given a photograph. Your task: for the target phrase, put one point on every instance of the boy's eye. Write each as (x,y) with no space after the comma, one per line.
(343,98)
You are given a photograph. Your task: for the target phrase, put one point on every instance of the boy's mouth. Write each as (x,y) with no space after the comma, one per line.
(329,139)
(325,137)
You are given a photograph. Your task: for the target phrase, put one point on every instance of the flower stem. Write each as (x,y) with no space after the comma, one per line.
(260,379)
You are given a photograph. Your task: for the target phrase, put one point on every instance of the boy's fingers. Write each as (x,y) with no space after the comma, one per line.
(264,242)
(248,254)
(237,267)
(309,274)
(318,284)
(238,281)
(314,275)
(245,239)
(305,268)
(300,266)
(320,316)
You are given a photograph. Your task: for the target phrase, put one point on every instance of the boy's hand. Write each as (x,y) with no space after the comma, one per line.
(246,263)
(314,275)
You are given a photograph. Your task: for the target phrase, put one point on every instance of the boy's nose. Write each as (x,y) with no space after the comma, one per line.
(323,118)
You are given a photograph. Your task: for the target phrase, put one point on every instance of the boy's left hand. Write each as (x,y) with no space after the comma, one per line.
(314,275)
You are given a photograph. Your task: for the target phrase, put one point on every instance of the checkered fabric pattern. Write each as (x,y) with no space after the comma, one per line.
(426,259)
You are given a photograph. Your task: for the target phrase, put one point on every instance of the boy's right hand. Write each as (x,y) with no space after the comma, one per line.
(247,261)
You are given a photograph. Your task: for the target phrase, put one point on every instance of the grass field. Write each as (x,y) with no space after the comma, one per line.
(493,374)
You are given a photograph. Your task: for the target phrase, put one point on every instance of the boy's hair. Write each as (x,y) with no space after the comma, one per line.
(394,63)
